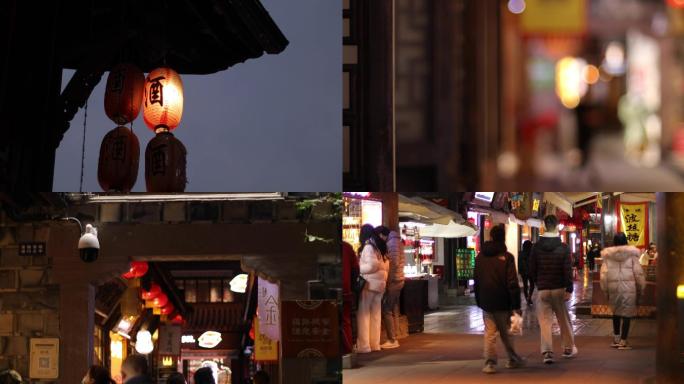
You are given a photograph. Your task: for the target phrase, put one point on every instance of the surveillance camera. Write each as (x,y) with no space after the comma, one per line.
(88,245)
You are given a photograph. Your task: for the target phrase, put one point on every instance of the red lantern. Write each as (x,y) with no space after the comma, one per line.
(178,319)
(117,168)
(163,104)
(676,3)
(167,309)
(123,95)
(139,268)
(154,291)
(161,300)
(165,164)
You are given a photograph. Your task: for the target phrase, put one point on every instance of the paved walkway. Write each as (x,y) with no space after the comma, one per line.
(606,170)
(450,351)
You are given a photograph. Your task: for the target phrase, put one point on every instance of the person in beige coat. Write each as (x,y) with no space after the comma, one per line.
(373,266)
(622,281)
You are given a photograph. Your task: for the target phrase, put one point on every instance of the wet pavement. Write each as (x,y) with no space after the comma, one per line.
(606,170)
(450,350)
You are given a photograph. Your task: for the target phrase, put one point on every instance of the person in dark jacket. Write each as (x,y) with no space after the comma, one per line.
(594,253)
(524,271)
(498,294)
(204,375)
(551,270)
(176,378)
(395,283)
(134,370)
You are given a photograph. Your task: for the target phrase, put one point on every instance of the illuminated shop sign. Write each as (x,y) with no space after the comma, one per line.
(485,196)
(209,339)
(188,339)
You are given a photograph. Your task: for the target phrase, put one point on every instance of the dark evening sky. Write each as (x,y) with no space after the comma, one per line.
(268,124)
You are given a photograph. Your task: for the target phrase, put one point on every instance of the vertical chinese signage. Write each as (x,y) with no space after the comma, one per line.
(169,340)
(44,363)
(310,329)
(633,221)
(268,309)
(265,349)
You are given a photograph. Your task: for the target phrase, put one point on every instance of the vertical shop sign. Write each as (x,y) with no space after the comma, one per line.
(265,349)
(169,339)
(633,221)
(268,309)
(310,329)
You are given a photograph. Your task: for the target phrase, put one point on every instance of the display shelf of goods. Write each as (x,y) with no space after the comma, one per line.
(465,263)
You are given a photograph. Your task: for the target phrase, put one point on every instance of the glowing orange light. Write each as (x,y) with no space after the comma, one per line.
(163,102)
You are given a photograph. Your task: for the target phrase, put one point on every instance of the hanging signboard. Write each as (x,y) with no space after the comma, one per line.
(169,340)
(633,221)
(268,309)
(44,363)
(265,349)
(521,205)
(310,329)
(554,17)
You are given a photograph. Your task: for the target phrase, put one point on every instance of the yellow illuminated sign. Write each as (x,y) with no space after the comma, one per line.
(557,17)
(680,291)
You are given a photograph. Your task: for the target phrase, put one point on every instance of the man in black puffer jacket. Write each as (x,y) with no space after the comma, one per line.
(551,270)
(497,292)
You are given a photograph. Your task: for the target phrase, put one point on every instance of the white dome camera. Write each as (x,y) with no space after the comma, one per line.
(88,245)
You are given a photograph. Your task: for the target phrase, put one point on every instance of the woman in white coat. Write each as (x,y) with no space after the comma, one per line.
(622,279)
(374,267)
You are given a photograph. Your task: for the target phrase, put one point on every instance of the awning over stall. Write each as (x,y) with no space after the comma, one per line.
(440,221)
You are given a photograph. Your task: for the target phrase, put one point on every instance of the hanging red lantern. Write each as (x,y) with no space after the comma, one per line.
(178,319)
(154,291)
(139,268)
(161,300)
(676,3)
(163,103)
(167,309)
(123,94)
(165,164)
(117,168)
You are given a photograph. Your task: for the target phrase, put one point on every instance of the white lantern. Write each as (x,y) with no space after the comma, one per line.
(143,342)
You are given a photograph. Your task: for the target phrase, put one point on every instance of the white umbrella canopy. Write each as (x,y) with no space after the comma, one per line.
(440,221)
(451,230)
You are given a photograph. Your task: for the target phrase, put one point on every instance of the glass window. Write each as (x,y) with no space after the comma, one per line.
(215,291)
(227,293)
(190,291)
(203,291)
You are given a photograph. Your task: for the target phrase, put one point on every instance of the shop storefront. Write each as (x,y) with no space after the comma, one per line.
(633,214)
(359,208)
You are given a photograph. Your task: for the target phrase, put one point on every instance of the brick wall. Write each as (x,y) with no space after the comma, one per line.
(29,299)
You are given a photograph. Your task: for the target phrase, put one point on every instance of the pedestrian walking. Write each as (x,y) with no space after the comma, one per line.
(395,283)
(524,271)
(261,377)
(204,375)
(594,253)
(134,370)
(373,265)
(498,294)
(97,374)
(551,270)
(622,281)
(176,378)
(350,271)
